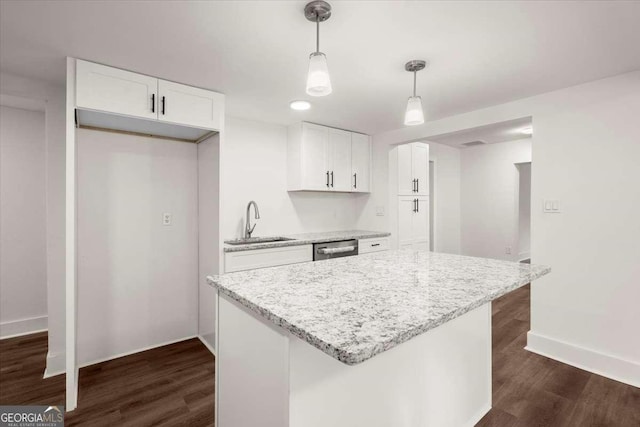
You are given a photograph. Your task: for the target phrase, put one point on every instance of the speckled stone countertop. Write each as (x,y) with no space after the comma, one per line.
(308,238)
(353,308)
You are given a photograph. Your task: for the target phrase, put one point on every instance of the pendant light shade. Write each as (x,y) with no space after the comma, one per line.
(318,80)
(414,115)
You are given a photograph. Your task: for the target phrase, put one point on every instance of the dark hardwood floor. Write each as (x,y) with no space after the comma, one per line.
(174,385)
(531,390)
(170,386)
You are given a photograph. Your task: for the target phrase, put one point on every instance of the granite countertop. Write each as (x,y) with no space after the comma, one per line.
(308,238)
(353,308)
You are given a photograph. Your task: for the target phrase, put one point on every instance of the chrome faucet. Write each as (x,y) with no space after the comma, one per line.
(248,229)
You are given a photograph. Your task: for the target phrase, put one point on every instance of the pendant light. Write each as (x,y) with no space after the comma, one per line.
(414,115)
(318,80)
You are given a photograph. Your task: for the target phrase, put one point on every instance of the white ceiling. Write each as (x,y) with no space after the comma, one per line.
(481,53)
(490,134)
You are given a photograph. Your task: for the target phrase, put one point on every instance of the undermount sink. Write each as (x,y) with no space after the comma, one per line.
(251,240)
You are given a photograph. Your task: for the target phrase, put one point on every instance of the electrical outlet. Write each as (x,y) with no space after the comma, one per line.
(507,250)
(166,219)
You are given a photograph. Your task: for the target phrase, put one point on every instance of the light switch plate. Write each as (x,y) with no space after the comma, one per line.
(551,206)
(379,210)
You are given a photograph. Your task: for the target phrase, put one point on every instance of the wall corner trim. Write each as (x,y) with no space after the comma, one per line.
(55,365)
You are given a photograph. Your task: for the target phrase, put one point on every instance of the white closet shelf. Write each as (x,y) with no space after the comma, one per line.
(99,120)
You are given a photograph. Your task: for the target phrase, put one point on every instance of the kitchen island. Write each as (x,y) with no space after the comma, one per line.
(396,338)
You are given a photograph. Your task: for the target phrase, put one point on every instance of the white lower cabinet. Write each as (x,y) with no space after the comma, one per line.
(271,257)
(413,222)
(375,244)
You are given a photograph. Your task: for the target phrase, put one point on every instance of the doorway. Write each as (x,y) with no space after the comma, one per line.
(432,202)
(23,234)
(524,211)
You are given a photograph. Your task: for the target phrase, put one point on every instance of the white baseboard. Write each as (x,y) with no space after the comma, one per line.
(617,369)
(55,365)
(56,362)
(478,416)
(139,350)
(21,327)
(206,344)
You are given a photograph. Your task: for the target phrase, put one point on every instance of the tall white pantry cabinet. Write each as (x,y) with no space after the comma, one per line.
(413,195)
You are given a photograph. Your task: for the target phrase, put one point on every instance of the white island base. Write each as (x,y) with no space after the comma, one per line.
(269,378)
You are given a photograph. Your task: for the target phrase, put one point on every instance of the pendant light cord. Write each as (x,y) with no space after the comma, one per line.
(317,33)
(414,83)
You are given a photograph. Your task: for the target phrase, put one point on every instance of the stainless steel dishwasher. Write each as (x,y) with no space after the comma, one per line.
(339,249)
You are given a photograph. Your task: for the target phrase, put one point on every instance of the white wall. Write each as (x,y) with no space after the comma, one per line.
(54,98)
(253,161)
(447,195)
(137,278)
(524,211)
(489,198)
(585,154)
(23,262)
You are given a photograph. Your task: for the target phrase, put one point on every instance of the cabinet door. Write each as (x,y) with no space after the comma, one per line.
(315,152)
(190,106)
(406,207)
(360,162)
(103,88)
(340,143)
(405,176)
(420,223)
(420,167)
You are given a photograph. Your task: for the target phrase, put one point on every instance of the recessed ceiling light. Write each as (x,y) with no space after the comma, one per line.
(527,131)
(300,105)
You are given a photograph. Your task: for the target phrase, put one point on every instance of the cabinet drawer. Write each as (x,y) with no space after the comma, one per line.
(377,244)
(260,258)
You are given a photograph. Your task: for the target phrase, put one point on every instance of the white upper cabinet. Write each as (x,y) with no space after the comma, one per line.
(164,104)
(420,167)
(320,158)
(103,88)
(340,159)
(406,181)
(315,152)
(189,105)
(360,162)
(413,169)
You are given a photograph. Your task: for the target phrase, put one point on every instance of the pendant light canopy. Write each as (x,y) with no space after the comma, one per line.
(318,80)
(414,114)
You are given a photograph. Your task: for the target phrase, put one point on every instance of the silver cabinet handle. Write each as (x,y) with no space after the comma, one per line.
(327,251)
